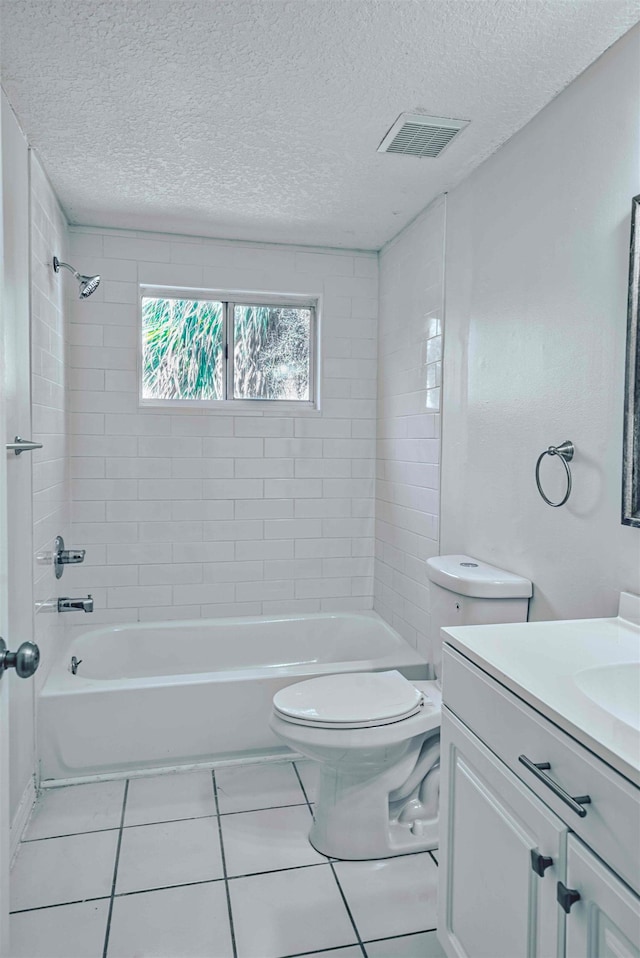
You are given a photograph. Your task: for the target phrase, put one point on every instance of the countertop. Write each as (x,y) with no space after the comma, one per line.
(544,664)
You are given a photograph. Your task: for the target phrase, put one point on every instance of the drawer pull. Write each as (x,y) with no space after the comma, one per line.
(538,769)
(567,897)
(540,862)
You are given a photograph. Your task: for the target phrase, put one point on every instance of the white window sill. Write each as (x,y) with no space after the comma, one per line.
(232,407)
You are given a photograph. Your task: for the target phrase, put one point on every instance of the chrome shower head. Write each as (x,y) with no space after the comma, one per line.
(88,284)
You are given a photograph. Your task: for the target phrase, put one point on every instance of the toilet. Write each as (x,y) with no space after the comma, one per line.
(376,735)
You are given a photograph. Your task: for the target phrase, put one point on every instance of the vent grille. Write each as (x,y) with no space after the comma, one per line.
(416,135)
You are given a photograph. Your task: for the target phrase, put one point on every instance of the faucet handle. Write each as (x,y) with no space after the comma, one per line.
(63,557)
(72,556)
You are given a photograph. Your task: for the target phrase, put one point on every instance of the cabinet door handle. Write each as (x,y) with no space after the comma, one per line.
(538,769)
(540,863)
(567,897)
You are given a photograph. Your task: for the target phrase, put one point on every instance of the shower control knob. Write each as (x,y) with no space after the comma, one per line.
(63,557)
(25,661)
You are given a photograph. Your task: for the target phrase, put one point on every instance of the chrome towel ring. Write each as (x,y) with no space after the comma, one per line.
(565,451)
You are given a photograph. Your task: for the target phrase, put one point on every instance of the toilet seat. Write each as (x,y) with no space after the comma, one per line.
(350,700)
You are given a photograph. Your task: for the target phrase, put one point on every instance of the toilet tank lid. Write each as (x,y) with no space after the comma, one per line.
(468,576)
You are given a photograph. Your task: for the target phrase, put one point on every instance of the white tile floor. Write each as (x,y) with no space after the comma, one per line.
(208,865)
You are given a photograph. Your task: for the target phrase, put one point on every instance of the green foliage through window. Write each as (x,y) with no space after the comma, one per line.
(182,349)
(217,350)
(271,355)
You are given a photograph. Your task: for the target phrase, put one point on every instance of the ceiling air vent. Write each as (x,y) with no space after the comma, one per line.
(416,135)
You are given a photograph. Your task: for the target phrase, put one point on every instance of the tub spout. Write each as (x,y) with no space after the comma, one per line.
(76,605)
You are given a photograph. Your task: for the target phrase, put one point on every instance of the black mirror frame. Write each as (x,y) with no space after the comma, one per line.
(631,441)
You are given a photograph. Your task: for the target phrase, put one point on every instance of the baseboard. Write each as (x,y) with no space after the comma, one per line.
(22,815)
(284,756)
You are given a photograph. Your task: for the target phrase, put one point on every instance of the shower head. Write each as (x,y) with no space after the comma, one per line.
(88,284)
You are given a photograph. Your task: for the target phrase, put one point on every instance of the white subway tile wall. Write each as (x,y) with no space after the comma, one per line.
(189,512)
(408,447)
(49,384)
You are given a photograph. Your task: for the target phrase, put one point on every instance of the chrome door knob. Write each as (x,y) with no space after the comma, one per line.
(25,661)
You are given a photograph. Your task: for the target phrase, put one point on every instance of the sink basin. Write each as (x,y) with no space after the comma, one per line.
(615,688)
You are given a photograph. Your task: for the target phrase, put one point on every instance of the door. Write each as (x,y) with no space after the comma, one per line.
(17,395)
(605,921)
(16,526)
(4,616)
(502,852)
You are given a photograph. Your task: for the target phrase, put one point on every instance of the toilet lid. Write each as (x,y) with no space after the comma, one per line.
(349,700)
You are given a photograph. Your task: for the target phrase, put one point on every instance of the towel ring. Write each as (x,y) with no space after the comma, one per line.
(565,451)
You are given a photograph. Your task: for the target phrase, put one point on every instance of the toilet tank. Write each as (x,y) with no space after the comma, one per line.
(466,591)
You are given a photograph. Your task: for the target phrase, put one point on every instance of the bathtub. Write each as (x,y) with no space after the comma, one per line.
(160,695)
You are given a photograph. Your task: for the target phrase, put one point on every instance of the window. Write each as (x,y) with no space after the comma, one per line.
(219,348)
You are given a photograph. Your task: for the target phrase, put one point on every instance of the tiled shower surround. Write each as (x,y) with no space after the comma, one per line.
(408,453)
(187,512)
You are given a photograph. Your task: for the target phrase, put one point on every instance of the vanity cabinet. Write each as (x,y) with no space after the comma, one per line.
(514,852)
(497,832)
(605,922)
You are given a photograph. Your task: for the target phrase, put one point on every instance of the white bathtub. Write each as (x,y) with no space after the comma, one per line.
(159,695)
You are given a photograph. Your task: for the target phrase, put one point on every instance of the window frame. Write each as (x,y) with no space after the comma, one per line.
(230,299)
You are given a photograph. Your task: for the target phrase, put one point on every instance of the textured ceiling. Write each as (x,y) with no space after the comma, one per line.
(260,119)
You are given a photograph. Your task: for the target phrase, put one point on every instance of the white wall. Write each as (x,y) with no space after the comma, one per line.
(536,288)
(408,448)
(195,513)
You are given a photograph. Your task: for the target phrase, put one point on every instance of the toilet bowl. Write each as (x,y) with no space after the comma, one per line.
(370,734)
(376,735)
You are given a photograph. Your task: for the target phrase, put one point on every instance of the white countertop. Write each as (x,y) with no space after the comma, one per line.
(544,663)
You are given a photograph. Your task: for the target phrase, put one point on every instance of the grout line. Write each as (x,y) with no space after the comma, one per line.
(184,884)
(59,904)
(224,866)
(331,865)
(407,934)
(264,808)
(168,821)
(115,871)
(48,838)
(370,941)
(163,821)
(209,881)
(277,871)
(346,905)
(304,791)
(322,951)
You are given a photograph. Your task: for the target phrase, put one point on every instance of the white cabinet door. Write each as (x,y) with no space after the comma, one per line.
(492,904)
(605,921)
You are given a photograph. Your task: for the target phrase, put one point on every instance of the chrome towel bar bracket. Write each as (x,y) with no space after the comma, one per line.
(565,453)
(22,445)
